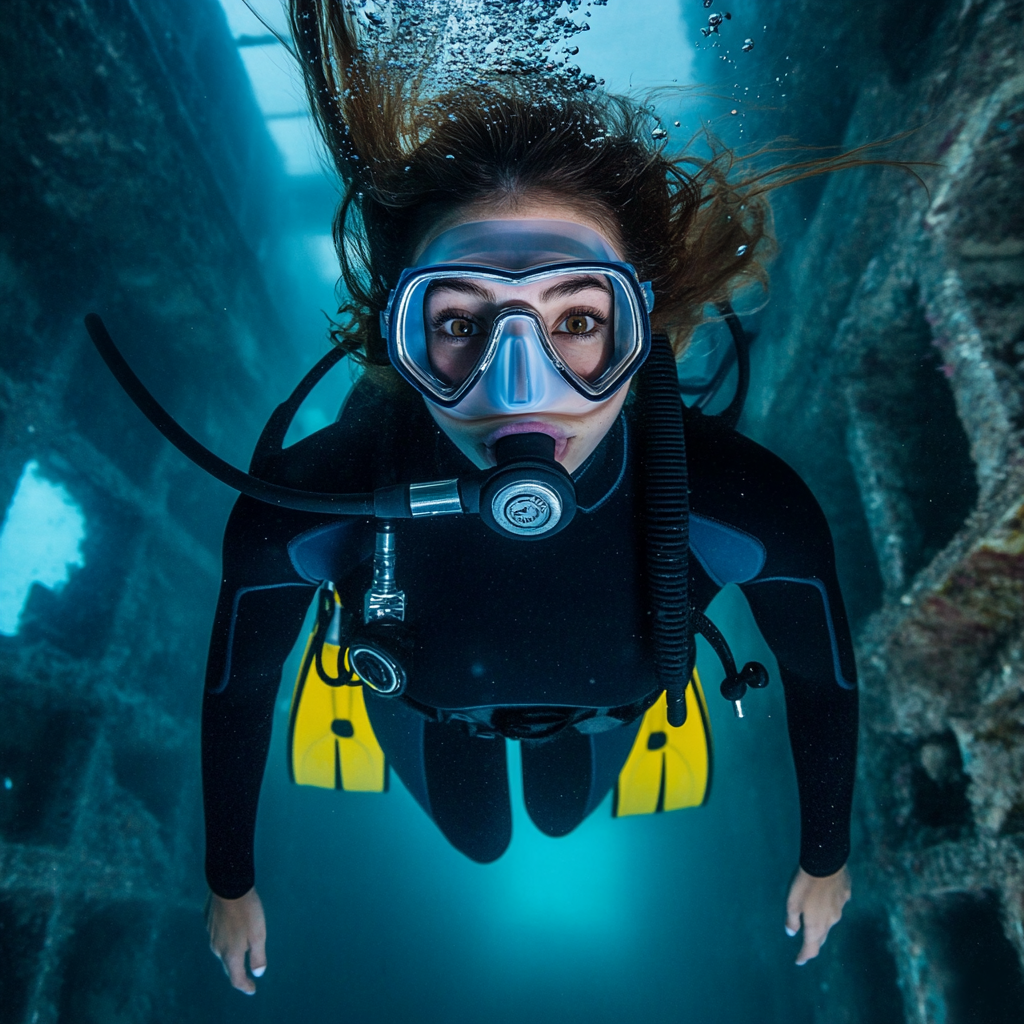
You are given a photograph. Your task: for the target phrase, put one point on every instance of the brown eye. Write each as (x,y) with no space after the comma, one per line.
(577,323)
(460,328)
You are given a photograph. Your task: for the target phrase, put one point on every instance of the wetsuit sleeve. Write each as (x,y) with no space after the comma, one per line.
(797,604)
(263,601)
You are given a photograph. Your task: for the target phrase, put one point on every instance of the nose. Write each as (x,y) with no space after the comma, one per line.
(520,348)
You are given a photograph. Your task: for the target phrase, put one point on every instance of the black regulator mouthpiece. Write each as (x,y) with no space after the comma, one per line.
(529,495)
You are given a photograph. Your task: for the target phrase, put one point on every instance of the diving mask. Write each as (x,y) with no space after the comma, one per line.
(508,317)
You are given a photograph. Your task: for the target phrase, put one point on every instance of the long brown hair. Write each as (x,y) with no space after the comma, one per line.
(407,159)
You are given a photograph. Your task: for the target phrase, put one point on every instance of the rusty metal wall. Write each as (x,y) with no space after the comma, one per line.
(890,372)
(137,175)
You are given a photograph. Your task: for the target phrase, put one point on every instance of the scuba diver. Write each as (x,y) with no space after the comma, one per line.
(527,523)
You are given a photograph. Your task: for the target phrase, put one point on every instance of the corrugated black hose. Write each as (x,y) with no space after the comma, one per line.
(667,515)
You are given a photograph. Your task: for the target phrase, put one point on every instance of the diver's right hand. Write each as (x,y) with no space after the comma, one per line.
(236,927)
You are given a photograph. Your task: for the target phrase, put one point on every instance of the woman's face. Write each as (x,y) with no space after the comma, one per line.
(576,310)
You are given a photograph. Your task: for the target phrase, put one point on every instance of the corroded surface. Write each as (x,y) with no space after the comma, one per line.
(896,342)
(137,176)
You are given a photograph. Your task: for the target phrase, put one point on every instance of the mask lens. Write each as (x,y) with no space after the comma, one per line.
(580,313)
(456,319)
(585,324)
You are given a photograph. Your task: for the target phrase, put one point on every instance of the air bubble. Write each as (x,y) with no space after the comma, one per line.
(499,38)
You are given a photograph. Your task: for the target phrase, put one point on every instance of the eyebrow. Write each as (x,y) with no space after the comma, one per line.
(582,283)
(462,285)
(572,286)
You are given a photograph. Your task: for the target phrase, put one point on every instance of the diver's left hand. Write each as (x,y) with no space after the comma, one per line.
(818,903)
(238,927)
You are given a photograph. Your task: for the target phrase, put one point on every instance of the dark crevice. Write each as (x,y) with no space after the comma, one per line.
(43,753)
(925,801)
(940,474)
(109,947)
(22,933)
(971,962)
(904,31)
(863,983)
(939,785)
(917,476)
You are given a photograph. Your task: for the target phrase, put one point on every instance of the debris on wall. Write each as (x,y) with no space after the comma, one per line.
(896,341)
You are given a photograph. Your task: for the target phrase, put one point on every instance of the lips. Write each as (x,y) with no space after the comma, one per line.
(530,427)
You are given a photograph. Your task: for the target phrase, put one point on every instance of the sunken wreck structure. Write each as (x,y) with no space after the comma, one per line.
(139,179)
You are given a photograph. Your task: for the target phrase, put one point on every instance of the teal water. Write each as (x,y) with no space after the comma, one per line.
(676,916)
(373,918)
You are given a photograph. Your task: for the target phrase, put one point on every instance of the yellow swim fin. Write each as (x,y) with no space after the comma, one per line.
(668,768)
(331,743)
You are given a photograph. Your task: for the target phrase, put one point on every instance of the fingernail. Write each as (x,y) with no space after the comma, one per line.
(257,972)
(789,931)
(800,963)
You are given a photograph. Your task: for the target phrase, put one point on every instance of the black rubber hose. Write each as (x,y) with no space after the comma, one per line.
(703,625)
(667,515)
(272,494)
(706,392)
(271,441)
(730,415)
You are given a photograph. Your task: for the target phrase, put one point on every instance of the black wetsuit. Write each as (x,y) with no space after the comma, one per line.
(537,630)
